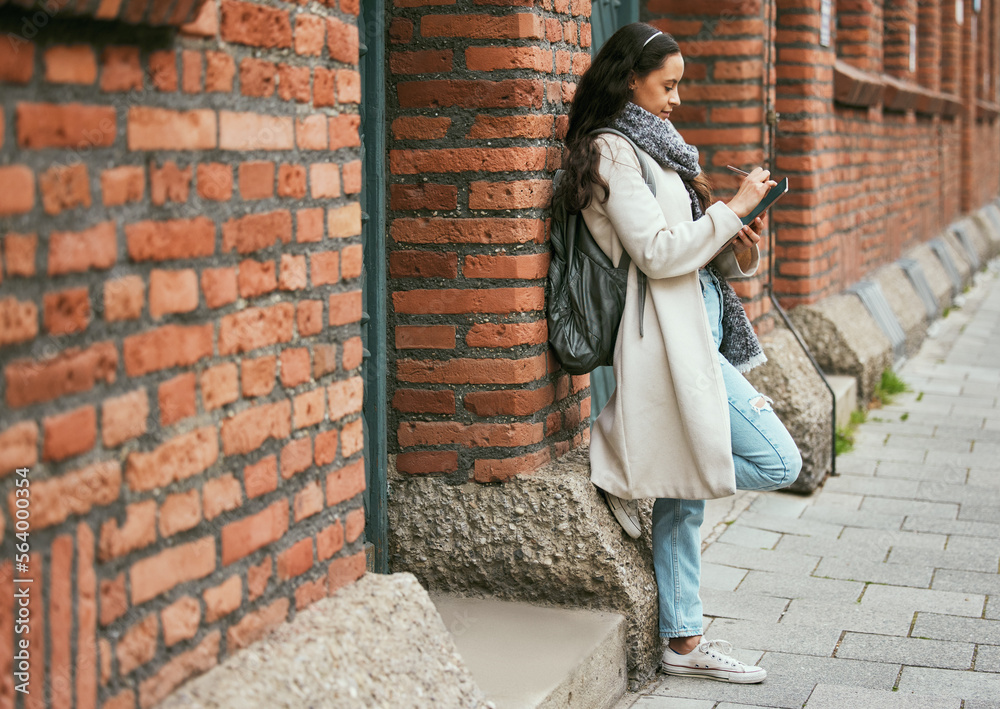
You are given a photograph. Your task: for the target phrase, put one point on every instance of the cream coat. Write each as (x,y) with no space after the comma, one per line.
(665,430)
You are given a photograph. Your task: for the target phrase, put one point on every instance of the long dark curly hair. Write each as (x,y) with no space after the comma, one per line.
(601,95)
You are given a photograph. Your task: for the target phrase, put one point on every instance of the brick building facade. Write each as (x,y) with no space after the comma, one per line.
(181,220)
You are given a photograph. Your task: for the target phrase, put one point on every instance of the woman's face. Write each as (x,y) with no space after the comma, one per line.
(657,92)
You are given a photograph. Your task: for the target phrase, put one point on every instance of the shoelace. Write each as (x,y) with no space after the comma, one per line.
(723,647)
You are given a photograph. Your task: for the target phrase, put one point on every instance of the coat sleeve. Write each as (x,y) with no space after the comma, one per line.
(730,268)
(658,250)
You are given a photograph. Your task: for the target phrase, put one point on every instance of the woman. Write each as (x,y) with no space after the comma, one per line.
(683,424)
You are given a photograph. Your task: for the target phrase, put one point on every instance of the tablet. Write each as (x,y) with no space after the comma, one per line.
(770,198)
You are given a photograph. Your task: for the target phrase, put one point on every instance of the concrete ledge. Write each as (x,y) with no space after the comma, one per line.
(958,255)
(845,339)
(937,277)
(801,401)
(376,643)
(988,220)
(547,537)
(905,303)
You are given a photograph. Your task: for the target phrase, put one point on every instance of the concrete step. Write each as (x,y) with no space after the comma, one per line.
(845,388)
(525,656)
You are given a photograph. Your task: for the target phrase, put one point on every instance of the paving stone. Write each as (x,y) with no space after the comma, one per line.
(761,559)
(918,523)
(962,494)
(950,683)
(881,487)
(975,545)
(979,513)
(992,608)
(947,627)
(895,538)
(921,472)
(848,616)
(854,518)
(947,444)
(730,705)
(876,572)
(838,500)
(794,586)
(719,577)
(853,464)
(923,599)
(885,506)
(963,561)
(750,537)
(988,658)
(983,476)
(798,638)
(657,702)
(780,505)
(742,605)
(871,549)
(906,651)
(961,460)
(837,696)
(987,583)
(803,527)
(981,704)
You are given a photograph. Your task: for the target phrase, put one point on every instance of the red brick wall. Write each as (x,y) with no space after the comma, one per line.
(477,98)
(179,337)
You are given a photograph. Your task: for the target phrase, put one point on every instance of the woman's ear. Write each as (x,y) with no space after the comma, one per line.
(631,81)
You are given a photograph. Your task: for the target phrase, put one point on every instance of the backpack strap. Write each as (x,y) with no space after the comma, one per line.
(625,259)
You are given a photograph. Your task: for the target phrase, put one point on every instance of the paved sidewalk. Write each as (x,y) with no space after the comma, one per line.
(882,589)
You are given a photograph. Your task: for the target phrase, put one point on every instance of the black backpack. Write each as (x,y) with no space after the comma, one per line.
(585,293)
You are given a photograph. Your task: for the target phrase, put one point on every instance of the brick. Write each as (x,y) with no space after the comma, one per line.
(257,578)
(468,231)
(204,24)
(348,87)
(114,600)
(219,386)
(255,25)
(257,77)
(176,459)
(172,292)
(400,30)
(293,83)
(308,502)
(180,620)
(219,286)
(519,194)
(423,264)
(192,70)
(434,433)
(17,61)
(507,26)
(345,483)
(73,493)
(18,195)
(253,328)
(169,183)
(296,456)
(352,438)
(157,574)
(163,70)
(65,125)
(428,61)
(345,308)
(308,409)
(499,470)
(415,162)
(425,337)
(164,129)
(246,431)
(505,58)
(324,88)
(292,183)
(179,513)
(215,181)
(124,298)
(19,254)
(295,560)
(329,541)
(69,434)
(223,599)
(220,69)
(509,402)
(137,645)
(352,354)
(258,375)
(172,239)
(342,41)
(66,312)
(324,179)
(352,177)
(324,267)
(309,592)
(309,317)
(529,267)
(60,593)
(253,131)
(463,93)
(124,417)
(64,187)
(80,251)
(256,231)
(507,335)
(203,657)
(261,477)
(293,273)
(72,371)
(121,185)
(311,132)
(86,618)
(18,447)
(354,525)
(324,359)
(177,399)
(420,127)
(455,301)
(473,371)
(220,495)
(166,347)
(256,278)
(427,462)
(345,131)
(254,626)
(243,537)
(530,126)
(310,33)
(125,699)
(344,221)
(423,401)
(345,397)
(423,196)
(345,571)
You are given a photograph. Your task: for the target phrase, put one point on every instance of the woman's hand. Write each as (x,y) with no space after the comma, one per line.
(751,191)
(747,237)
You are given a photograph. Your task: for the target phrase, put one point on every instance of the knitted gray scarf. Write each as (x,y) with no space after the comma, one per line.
(659,138)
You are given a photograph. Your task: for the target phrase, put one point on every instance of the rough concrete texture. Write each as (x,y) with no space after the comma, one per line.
(937,277)
(980,242)
(905,303)
(801,401)
(988,220)
(844,339)
(376,643)
(958,255)
(547,537)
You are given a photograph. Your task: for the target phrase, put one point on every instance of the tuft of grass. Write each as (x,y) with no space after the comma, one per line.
(905,415)
(845,434)
(888,387)
(920,396)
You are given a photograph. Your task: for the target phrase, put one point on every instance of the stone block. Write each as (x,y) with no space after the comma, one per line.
(845,339)
(937,276)
(801,401)
(379,642)
(905,303)
(958,255)
(547,537)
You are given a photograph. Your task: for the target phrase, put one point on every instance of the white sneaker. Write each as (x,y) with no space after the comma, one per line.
(711,659)
(626,512)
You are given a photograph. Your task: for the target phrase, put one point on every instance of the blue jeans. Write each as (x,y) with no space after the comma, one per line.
(765,457)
